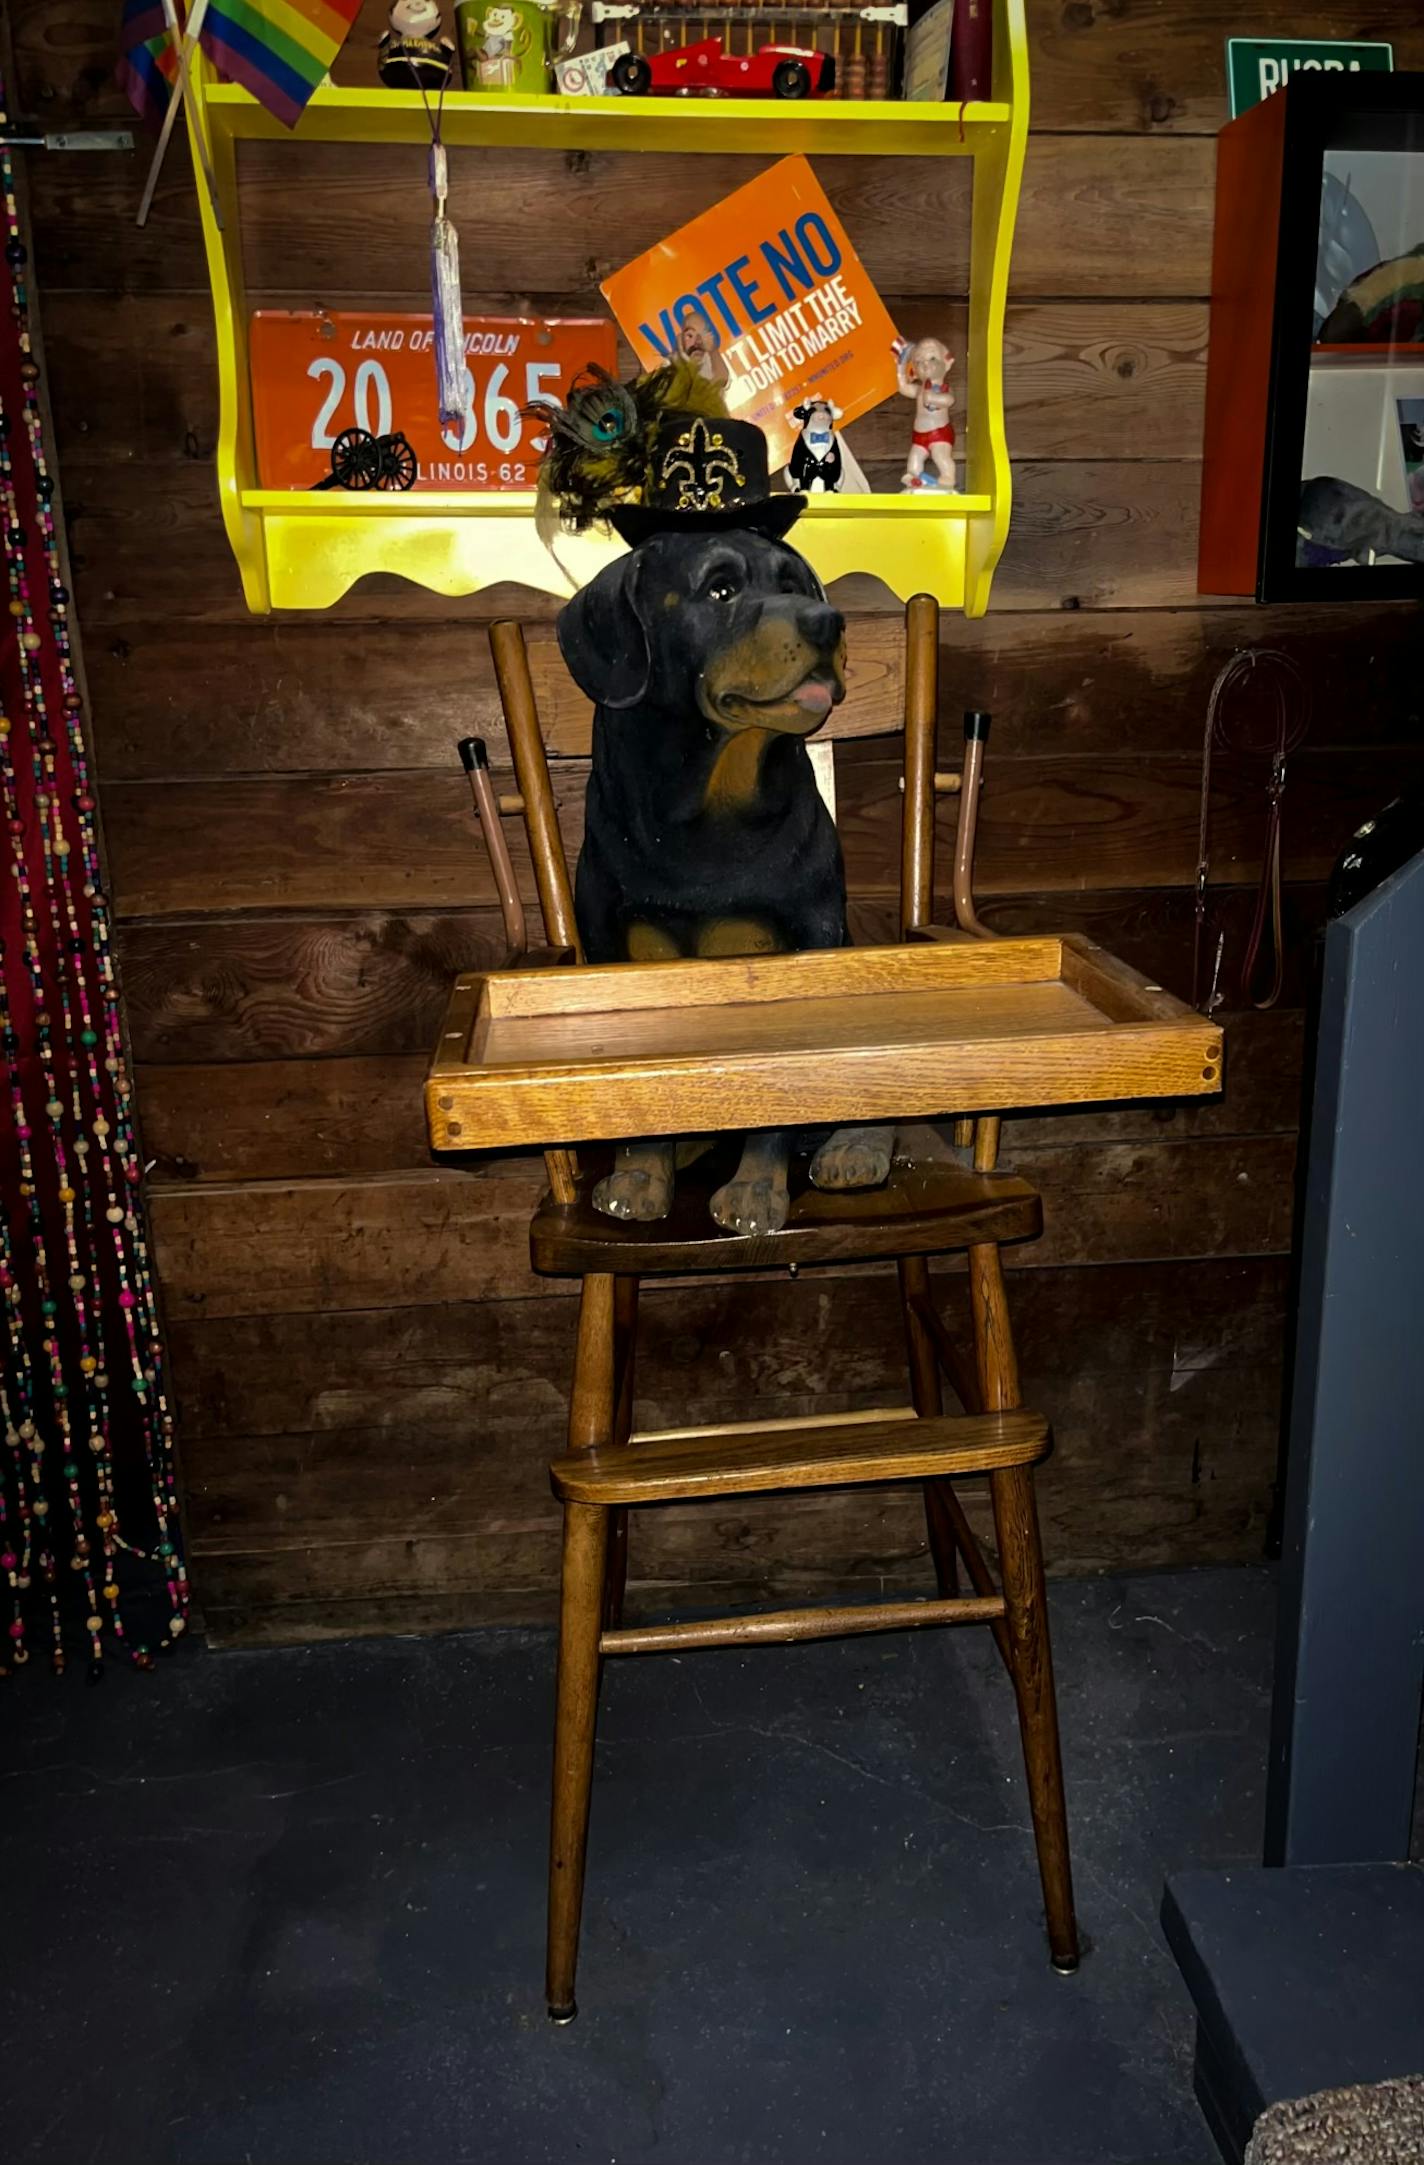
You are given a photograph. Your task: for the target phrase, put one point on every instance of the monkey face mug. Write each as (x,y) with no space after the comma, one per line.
(511,45)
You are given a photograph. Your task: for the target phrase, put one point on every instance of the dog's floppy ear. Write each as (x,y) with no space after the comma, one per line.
(602,639)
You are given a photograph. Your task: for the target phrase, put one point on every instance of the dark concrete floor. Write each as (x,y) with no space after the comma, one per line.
(286,1907)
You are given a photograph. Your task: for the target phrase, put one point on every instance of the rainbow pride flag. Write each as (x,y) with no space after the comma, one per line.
(277,49)
(148,65)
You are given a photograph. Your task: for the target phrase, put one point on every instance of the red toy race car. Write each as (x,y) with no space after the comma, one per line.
(708,70)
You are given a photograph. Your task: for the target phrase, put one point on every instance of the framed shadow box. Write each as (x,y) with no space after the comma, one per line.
(1313,477)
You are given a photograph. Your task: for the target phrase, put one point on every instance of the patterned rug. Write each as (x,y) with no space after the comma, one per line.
(1378,2123)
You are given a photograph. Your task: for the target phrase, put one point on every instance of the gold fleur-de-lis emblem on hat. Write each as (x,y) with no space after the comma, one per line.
(700,463)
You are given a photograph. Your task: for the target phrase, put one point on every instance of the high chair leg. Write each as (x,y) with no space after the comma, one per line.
(593,1412)
(994,1355)
(625,1335)
(615,1581)
(1026,1643)
(927,1397)
(580,1622)
(1031,1666)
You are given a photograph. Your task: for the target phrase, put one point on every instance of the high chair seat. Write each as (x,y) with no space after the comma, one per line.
(680,1468)
(921,1210)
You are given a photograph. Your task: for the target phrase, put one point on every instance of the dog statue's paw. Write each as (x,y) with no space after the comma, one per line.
(759,1205)
(854,1158)
(635,1191)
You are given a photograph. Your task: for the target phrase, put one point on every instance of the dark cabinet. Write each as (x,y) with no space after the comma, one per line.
(1313,479)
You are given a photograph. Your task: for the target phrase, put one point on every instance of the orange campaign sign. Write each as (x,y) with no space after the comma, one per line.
(316,375)
(768,290)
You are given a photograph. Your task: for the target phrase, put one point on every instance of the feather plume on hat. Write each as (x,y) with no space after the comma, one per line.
(600,445)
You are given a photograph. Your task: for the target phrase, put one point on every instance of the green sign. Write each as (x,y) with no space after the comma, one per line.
(1257,66)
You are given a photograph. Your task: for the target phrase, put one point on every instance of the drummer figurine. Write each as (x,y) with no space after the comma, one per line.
(697,342)
(923,372)
(413,53)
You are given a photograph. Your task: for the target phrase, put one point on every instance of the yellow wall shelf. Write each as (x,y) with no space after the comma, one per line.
(298,550)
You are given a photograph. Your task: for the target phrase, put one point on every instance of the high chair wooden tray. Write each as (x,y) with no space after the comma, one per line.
(554,1056)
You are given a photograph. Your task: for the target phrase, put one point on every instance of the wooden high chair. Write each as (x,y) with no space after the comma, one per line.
(953,1203)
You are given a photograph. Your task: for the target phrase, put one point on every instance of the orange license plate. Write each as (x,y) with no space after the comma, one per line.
(314,376)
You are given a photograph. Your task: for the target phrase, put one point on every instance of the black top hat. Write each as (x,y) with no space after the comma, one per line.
(706,473)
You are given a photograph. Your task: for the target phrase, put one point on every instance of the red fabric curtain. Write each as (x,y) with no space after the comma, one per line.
(89,1539)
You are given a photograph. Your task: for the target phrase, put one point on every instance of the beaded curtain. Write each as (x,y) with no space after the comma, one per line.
(89,1535)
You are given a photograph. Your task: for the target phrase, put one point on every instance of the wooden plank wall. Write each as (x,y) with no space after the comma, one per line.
(369,1380)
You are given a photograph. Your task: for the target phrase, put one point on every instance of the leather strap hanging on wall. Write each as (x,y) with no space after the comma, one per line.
(1259,708)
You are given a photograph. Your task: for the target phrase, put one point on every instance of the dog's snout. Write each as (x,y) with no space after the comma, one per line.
(823,626)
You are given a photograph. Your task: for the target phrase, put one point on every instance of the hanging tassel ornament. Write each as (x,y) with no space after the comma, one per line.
(454,389)
(452,378)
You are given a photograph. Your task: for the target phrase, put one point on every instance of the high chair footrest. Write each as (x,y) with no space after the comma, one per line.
(681,1468)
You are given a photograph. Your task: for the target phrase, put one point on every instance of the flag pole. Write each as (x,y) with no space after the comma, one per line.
(183,46)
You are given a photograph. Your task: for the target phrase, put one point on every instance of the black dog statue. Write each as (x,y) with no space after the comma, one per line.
(711,653)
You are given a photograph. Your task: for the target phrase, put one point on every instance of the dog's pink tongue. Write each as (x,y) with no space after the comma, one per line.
(815,698)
